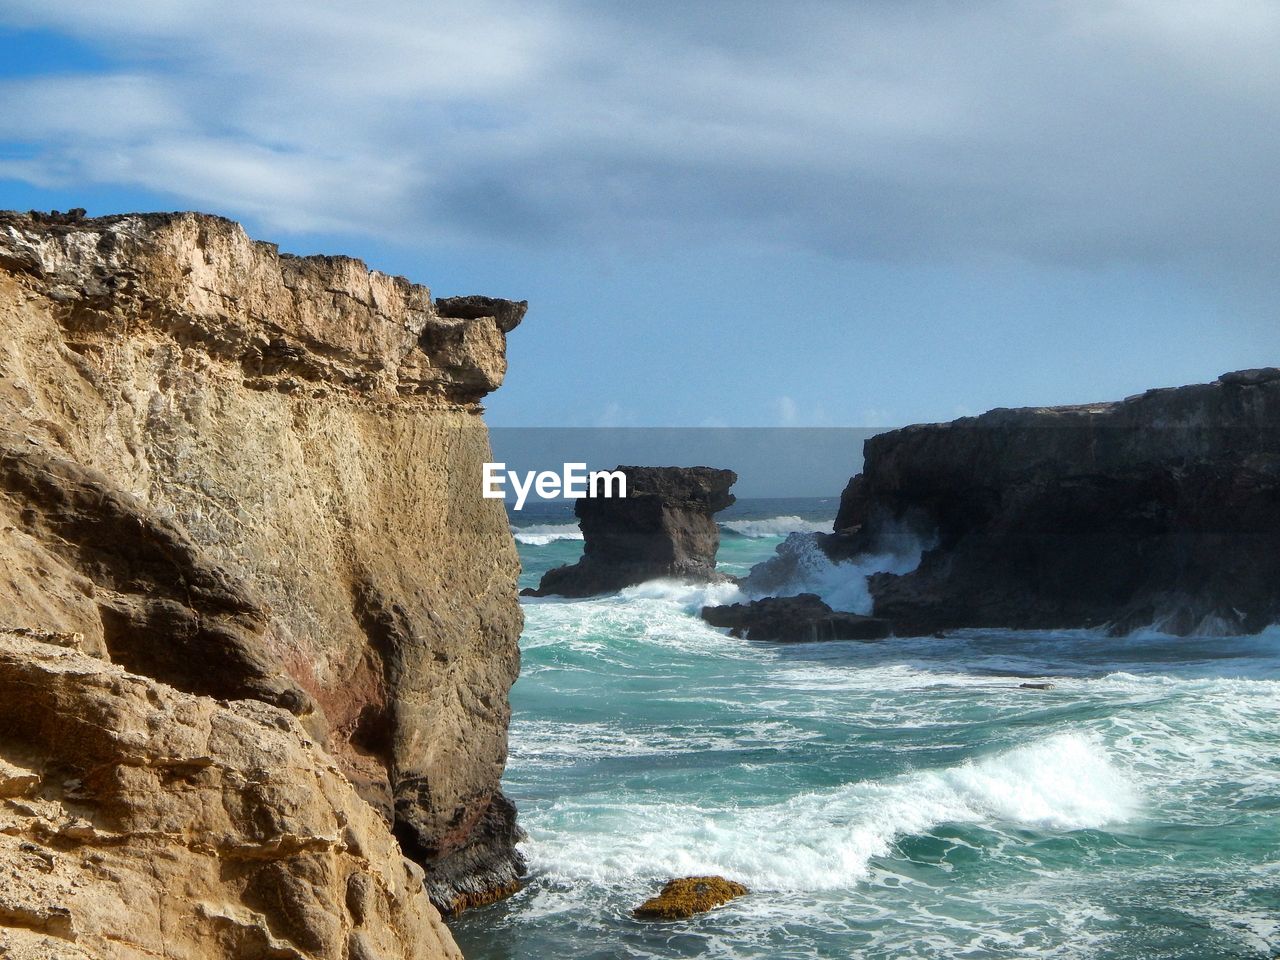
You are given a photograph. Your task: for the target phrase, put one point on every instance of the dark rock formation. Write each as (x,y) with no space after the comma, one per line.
(689,896)
(1160,509)
(662,528)
(800,619)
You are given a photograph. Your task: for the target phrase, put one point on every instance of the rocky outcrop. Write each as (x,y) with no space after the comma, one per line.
(252,475)
(137,821)
(803,618)
(1162,509)
(664,527)
(689,896)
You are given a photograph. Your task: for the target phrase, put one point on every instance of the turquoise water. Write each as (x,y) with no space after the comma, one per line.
(899,799)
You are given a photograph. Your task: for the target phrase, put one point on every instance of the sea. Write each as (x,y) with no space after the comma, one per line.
(900,799)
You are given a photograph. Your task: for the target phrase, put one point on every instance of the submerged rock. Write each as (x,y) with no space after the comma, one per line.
(1159,510)
(663,527)
(804,618)
(688,896)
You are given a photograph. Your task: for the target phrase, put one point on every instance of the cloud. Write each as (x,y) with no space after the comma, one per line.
(1079,133)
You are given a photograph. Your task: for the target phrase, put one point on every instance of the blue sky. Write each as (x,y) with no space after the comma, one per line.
(726,213)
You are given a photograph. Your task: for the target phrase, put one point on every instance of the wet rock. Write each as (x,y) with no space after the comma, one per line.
(664,527)
(800,619)
(688,896)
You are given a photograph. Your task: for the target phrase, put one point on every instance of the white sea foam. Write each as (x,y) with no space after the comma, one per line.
(776,526)
(802,566)
(690,596)
(826,840)
(541,534)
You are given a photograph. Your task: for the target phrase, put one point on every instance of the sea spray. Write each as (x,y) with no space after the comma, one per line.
(800,565)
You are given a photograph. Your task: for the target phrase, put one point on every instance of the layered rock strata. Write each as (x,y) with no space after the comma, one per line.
(252,475)
(1162,509)
(663,527)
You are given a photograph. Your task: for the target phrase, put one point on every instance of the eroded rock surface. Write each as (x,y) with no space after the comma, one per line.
(255,475)
(1162,509)
(664,527)
(137,821)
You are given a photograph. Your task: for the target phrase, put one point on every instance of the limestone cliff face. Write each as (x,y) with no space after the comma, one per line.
(250,475)
(137,821)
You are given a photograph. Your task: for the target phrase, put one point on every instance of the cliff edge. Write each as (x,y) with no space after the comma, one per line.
(248,475)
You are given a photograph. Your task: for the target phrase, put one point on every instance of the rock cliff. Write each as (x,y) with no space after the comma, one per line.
(663,527)
(251,475)
(1160,509)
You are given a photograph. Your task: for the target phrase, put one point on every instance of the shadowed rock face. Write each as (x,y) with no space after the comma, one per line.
(1163,508)
(664,527)
(251,475)
(804,618)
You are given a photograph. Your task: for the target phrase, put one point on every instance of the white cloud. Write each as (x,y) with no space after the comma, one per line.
(115,107)
(1067,132)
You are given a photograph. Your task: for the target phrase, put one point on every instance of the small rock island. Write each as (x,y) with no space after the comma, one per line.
(663,527)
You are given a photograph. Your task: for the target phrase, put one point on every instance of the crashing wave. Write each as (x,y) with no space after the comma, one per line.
(827,839)
(775,526)
(802,566)
(540,534)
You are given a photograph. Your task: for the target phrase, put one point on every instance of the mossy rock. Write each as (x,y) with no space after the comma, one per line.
(687,896)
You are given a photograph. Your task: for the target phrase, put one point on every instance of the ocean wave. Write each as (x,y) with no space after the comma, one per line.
(826,839)
(775,526)
(690,596)
(541,534)
(558,743)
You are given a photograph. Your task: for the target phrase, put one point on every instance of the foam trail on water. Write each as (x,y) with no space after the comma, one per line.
(826,840)
(541,534)
(776,526)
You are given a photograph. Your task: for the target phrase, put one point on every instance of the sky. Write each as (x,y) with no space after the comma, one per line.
(859,213)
